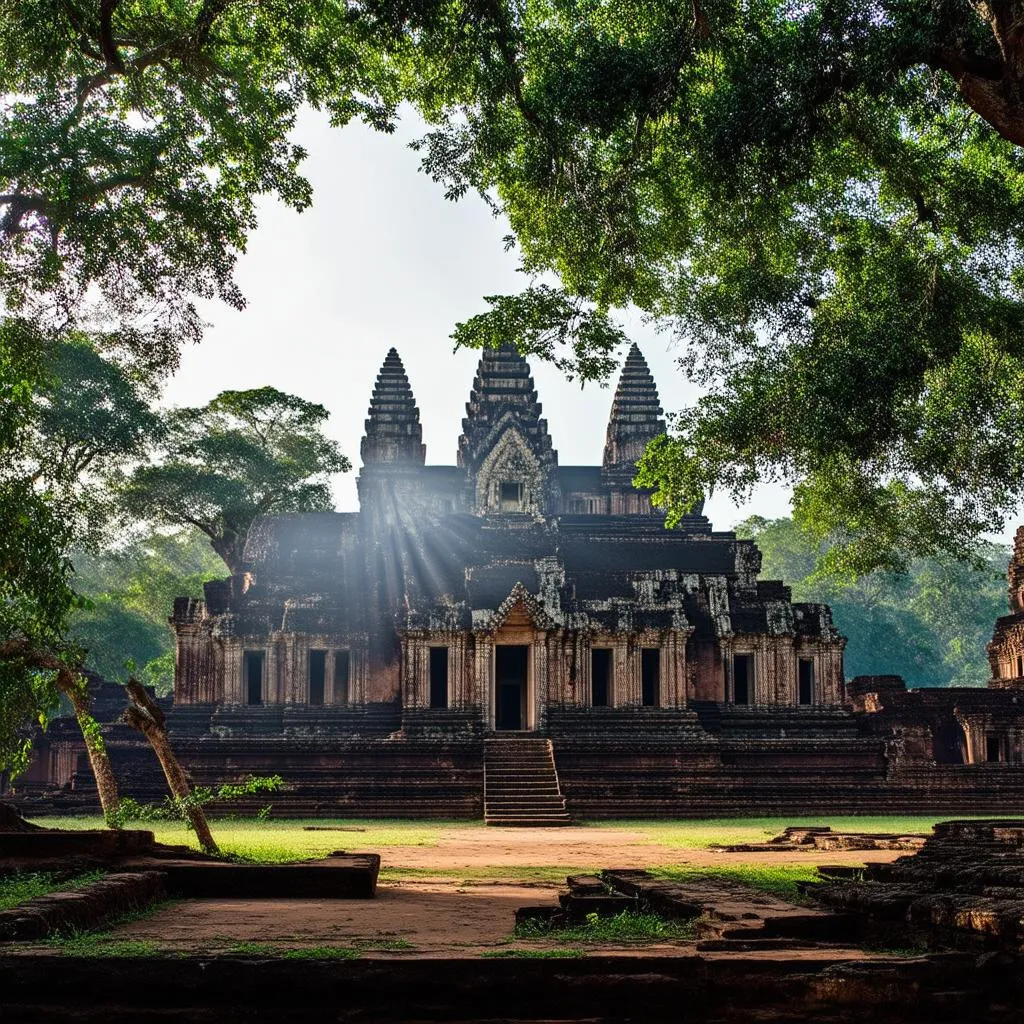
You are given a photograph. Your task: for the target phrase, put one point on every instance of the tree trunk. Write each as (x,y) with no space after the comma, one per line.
(72,685)
(99,760)
(145,715)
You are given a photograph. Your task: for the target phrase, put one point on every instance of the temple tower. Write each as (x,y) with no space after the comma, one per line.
(1006,648)
(392,448)
(505,448)
(636,418)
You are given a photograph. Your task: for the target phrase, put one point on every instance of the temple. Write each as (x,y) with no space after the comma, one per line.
(506,587)
(511,638)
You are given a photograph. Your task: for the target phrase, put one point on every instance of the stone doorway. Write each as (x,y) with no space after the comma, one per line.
(511,687)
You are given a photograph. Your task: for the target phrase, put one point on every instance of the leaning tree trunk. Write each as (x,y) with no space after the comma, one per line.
(73,686)
(145,715)
(106,784)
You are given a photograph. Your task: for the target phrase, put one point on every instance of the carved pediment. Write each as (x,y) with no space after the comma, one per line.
(521,609)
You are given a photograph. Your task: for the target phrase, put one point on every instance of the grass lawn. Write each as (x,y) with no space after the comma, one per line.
(280,841)
(699,834)
(274,842)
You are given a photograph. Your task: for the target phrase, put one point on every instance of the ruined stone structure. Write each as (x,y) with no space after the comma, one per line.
(507,609)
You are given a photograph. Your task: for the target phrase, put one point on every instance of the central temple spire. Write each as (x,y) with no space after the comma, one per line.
(505,447)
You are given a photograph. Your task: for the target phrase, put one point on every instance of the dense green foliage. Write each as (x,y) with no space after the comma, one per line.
(130,591)
(245,454)
(824,202)
(135,139)
(929,625)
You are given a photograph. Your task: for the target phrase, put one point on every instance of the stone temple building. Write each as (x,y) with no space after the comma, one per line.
(504,586)
(509,637)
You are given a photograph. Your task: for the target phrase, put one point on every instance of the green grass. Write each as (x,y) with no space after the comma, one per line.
(359,947)
(776,879)
(283,841)
(627,926)
(97,946)
(24,886)
(702,833)
(532,954)
(102,942)
(269,949)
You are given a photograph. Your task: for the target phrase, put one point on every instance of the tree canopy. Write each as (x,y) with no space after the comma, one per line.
(245,454)
(824,203)
(929,624)
(129,591)
(136,137)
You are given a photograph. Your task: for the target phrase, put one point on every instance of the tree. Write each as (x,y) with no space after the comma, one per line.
(245,454)
(129,590)
(135,139)
(929,625)
(824,202)
(145,715)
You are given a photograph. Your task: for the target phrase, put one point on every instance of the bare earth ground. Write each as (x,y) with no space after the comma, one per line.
(418,913)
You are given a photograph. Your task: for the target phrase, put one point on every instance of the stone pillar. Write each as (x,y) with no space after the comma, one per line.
(726,652)
(673,670)
(234,666)
(483,673)
(623,675)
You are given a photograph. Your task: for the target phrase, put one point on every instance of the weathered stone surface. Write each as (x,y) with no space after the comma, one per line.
(965,885)
(83,908)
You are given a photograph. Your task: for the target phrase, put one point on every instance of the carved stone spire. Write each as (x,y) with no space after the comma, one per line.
(503,395)
(635,419)
(505,444)
(393,432)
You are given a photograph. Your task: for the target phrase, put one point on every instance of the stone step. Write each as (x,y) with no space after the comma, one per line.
(521,784)
(534,822)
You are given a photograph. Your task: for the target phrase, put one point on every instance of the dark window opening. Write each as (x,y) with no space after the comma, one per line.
(511,495)
(600,677)
(254,677)
(806,681)
(511,679)
(439,677)
(993,751)
(341,677)
(1020,665)
(650,677)
(317,674)
(742,678)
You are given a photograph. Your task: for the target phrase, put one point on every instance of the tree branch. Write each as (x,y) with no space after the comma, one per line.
(111,53)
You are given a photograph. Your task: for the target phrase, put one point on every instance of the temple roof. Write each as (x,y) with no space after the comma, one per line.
(393,431)
(503,395)
(636,416)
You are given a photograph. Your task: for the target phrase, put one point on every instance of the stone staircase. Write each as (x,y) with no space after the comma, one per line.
(521,784)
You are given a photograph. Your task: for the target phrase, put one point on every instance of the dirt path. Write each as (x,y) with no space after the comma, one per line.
(494,848)
(422,916)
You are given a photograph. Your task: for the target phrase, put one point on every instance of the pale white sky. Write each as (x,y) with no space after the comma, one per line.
(382,259)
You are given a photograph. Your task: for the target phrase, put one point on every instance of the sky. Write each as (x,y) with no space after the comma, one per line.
(380,259)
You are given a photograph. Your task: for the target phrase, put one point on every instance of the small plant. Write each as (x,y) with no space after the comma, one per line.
(176,809)
(532,954)
(627,926)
